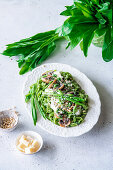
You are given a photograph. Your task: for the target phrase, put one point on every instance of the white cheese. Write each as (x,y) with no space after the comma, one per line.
(48,90)
(35,144)
(69,83)
(30,150)
(55,104)
(30,139)
(21,147)
(78,112)
(58,74)
(23,140)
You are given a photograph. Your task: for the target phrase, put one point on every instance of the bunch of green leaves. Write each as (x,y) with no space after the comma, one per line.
(87,20)
(32,51)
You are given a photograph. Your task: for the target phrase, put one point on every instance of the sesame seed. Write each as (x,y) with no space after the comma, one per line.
(7,122)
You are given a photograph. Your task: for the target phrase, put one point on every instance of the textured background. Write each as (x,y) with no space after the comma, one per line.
(91,151)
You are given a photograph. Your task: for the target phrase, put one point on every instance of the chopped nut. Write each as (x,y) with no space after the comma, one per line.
(7,122)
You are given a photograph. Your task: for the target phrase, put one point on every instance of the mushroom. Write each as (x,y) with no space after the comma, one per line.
(71,92)
(45,80)
(59,115)
(49,76)
(52,83)
(61,87)
(56,115)
(70,108)
(64,122)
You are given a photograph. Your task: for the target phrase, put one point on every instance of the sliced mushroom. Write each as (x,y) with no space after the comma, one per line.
(61,87)
(51,72)
(64,108)
(45,80)
(56,115)
(49,76)
(59,115)
(71,92)
(64,122)
(70,108)
(52,83)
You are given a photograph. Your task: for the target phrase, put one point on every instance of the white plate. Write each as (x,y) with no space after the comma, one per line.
(94,101)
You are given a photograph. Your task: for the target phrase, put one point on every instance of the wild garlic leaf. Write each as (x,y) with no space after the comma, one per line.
(59,31)
(100,31)
(48,51)
(70,7)
(87,38)
(29,65)
(100,18)
(73,11)
(108,15)
(67,27)
(33,55)
(25,68)
(69,43)
(71,22)
(16,51)
(23,44)
(21,60)
(77,33)
(95,2)
(83,1)
(68,10)
(36,58)
(75,39)
(37,37)
(81,45)
(104,7)
(85,10)
(107,49)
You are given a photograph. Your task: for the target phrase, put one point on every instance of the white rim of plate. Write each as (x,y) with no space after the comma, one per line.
(86,84)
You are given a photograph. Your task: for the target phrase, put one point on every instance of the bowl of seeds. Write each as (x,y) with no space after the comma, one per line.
(8,120)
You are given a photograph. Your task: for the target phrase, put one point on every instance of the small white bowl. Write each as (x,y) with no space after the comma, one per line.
(9,113)
(34,135)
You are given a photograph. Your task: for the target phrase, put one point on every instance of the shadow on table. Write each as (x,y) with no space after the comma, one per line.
(47,153)
(106,109)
